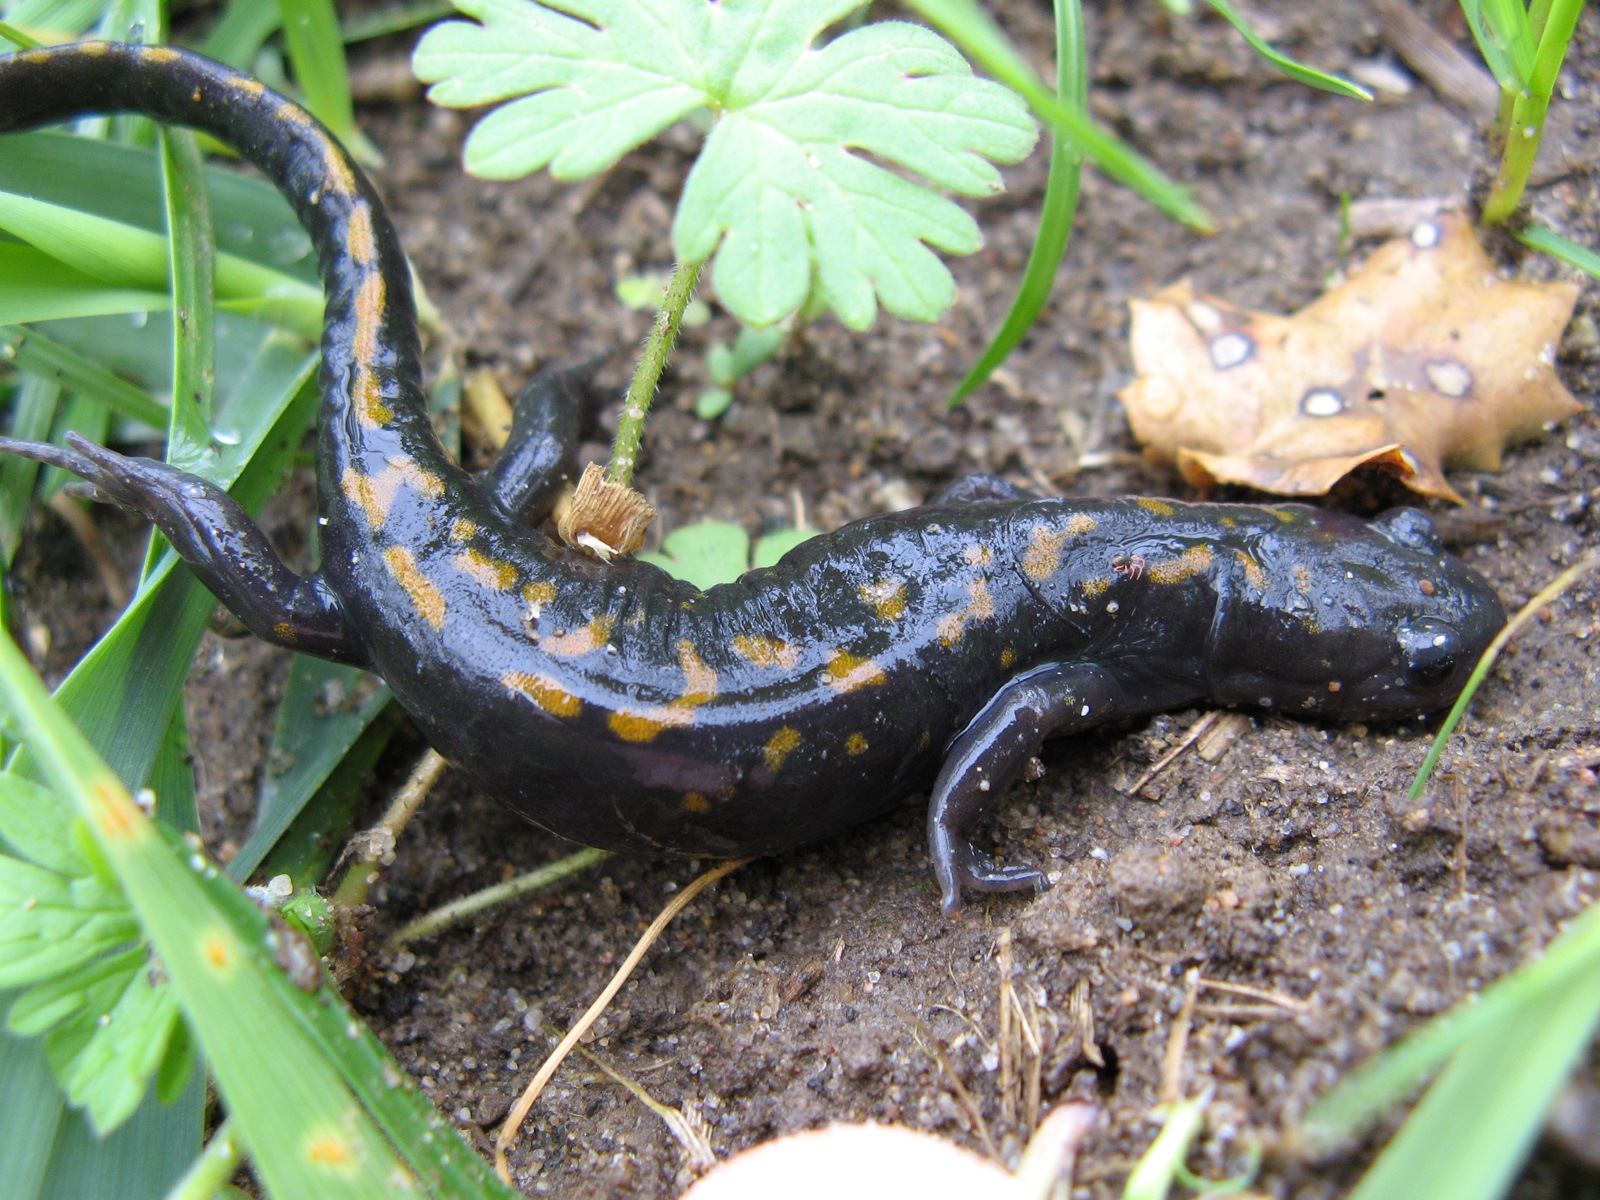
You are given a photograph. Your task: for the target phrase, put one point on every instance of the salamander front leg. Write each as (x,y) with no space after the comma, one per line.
(540,455)
(216,537)
(986,758)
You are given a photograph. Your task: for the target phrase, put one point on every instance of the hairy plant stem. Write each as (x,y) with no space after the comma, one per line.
(1519,130)
(657,348)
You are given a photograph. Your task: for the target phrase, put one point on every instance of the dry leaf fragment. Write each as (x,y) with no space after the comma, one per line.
(1423,356)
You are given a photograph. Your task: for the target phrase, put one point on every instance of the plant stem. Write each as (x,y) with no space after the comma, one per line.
(215,1166)
(657,347)
(1521,133)
(459,910)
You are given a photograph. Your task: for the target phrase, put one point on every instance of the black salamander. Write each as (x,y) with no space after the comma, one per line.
(616,706)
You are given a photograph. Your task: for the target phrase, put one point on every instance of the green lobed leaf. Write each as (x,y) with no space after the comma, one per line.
(780,192)
(711,552)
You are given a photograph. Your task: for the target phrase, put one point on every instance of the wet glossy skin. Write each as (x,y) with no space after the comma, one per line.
(619,707)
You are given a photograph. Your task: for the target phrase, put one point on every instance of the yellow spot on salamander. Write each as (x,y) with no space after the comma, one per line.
(980,607)
(699,680)
(463,530)
(1042,558)
(1093,589)
(374,494)
(366,391)
(359,239)
(1228,522)
(1007,657)
(217,948)
(543,691)
(977,556)
(1253,574)
(539,593)
(848,672)
(766,651)
(1191,562)
(887,598)
(585,639)
(490,572)
(1302,579)
(1282,514)
(284,630)
(642,725)
(855,744)
(696,803)
(155,54)
(925,741)
(699,687)
(426,598)
(1154,506)
(779,746)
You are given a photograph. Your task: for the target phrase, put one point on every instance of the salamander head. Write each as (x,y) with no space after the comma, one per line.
(1333,615)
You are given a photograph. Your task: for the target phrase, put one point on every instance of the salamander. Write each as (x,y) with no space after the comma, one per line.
(932,649)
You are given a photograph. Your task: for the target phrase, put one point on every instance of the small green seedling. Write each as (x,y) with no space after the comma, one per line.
(784,197)
(712,552)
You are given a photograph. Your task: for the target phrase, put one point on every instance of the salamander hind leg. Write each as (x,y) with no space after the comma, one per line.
(540,454)
(216,537)
(986,758)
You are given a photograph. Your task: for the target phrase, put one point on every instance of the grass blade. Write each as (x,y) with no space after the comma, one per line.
(394,19)
(325,709)
(1055,215)
(33,412)
(37,287)
(125,256)
(1395,1074)
(1548,241)
(1297,71)
(191,256)
(316,50)
(241,31)
(1470,1133)
(308,1135)
(983,42)
(39,355)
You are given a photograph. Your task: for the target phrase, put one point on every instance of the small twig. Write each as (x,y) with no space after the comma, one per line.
(1458,79)
(686,1126)
(459,910)
(1243,1012)
(1007,1032)
(1082,1010)
(374,848)
(1255,993)
(1161,764)
(1034,1084)
(519,1113)
(974,1113)
(1171,1088)
(1463,815)
(209,1173)
(88,534)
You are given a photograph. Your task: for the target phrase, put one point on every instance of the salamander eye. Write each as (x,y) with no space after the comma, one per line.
(1431,648)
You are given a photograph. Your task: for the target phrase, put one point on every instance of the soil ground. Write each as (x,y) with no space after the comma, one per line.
(825,985)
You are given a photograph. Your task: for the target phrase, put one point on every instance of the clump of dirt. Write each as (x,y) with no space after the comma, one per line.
(1318,914)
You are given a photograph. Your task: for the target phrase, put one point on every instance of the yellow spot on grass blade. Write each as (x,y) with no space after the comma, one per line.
(332,1150)
(543,691)
(426,598)
(218,951)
